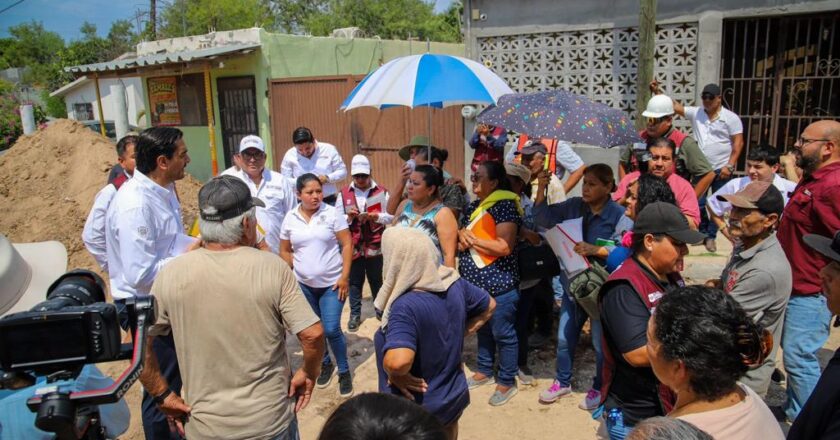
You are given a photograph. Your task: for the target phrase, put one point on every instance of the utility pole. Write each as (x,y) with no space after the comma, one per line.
(153,20)
(647,50)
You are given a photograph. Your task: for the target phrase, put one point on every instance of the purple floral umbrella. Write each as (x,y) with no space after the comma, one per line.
(559,114)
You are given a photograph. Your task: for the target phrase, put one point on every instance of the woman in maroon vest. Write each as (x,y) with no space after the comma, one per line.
(630,390)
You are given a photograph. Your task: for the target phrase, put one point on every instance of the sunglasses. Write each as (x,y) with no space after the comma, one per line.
(248,155)
(655,121)
(707,97)
(361,176)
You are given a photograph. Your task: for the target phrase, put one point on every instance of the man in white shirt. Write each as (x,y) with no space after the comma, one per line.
(364,204)
(271,187)
(719,133)
(763,166)
(93,234)
(145,232)
(319,158)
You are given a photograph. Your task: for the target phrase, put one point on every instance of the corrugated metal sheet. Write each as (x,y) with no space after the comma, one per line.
(314,102)
(163,58)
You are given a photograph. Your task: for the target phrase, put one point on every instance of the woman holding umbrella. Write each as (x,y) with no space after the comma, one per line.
(487,258)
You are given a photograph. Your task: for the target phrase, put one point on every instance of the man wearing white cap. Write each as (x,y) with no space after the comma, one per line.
(271,187)
(364,204)
(27,272)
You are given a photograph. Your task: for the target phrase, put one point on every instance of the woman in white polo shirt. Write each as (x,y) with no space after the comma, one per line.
(316,242)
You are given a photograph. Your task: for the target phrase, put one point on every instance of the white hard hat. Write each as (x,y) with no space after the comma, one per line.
(659,106)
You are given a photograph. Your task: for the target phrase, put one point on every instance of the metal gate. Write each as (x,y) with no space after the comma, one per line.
(780,74)
(237,111)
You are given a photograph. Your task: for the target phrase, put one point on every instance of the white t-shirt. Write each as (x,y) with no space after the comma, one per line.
(317,253)
(325,161)
(720,207)
(747,420)
(714,136)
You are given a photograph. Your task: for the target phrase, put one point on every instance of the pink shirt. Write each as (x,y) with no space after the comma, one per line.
(683,192)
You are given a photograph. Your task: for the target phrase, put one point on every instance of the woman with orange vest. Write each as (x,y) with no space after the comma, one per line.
(364,204)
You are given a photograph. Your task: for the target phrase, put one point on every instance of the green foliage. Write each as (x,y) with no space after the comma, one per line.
(6,87)
(56,107)
(194,17)
(11,127)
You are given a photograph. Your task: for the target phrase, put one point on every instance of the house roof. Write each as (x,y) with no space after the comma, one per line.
(159,59)
(65,89)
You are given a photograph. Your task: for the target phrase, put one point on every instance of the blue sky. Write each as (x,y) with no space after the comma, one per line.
(65,17)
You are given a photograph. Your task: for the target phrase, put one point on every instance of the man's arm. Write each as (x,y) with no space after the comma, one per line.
(286,167)
(155,384)
(141,264)
(312,344)
(737,147)
(339,169)
(477,321)
(573,179)
(286,252)
(703,184)
(657,90)
(394,202)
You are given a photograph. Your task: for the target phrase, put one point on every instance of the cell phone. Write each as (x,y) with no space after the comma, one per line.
(411,164)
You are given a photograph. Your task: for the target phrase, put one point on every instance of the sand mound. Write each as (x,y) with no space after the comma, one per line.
(48,182)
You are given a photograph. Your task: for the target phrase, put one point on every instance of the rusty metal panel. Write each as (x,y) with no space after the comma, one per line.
(314,102)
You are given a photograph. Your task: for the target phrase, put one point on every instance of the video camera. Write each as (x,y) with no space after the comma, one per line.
(57,337)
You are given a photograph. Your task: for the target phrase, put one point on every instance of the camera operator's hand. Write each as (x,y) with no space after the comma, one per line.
(301,387)
(177,412)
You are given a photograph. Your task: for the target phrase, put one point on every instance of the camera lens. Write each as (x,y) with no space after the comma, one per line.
(76,288)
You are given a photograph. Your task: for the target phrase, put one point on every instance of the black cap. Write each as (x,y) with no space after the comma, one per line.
(533,148)
(666,218)
(225,197)
(711,89)
(301,135)
(824,245)
(762,196)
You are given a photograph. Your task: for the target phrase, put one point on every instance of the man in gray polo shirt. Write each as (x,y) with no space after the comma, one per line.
(758,275)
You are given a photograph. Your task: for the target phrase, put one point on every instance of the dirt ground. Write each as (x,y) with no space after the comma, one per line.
(47,185)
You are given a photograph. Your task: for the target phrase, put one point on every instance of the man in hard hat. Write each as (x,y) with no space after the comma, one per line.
(720,137)
(689,163)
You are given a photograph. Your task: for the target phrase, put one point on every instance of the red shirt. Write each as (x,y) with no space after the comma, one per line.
(814,208)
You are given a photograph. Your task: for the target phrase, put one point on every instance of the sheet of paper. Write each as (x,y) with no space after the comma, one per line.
(181,243)
(563,246)
(573,228)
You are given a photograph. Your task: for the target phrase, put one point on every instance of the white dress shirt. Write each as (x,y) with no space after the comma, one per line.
(143,232)
(714,136)
(719,207)
(316,251)
(325,161)
(278,194)
(361,203)
(93,234)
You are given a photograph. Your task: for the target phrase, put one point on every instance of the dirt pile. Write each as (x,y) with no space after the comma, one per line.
(48,182)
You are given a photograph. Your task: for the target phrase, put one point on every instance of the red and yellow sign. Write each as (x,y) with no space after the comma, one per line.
(163,99)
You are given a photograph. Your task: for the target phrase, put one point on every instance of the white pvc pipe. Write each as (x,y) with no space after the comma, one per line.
(27,117)
(120,110)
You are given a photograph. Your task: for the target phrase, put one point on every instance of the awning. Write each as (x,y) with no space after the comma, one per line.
(161,59)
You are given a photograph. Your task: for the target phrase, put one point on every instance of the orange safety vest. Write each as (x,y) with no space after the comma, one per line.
(550,145)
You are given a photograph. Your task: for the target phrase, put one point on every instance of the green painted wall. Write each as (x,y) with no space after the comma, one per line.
(290,56)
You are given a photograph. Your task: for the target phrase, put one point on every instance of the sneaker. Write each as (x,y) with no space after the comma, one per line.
(710,244)
(326,376)
(525,376)
(473,383)
(499,398)
(591,401)
(554,392)
(353,324)
(345,384)
(537,340)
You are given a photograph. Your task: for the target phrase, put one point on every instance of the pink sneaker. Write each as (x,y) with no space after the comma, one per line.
(591,401)
(554,392)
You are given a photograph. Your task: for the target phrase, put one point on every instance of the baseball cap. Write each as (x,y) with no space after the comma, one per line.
(712,89)
(359,165)
(225,197)
(532,147)
(830,248)
(762,196)
(27,271)
(666,218)
(251,141)
(518,170)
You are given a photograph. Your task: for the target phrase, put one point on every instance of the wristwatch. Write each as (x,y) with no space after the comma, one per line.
(730,167)
(161,397)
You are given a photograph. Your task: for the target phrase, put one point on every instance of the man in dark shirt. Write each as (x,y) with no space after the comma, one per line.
(814,208)
(820,417)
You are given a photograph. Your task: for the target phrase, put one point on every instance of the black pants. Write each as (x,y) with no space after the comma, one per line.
(155,425)
(543,308)
(361,267)
(525,317)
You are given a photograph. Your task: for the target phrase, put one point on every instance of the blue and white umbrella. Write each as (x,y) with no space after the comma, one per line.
(432,80)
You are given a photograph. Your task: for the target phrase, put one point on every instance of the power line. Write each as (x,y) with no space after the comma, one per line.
(11,6)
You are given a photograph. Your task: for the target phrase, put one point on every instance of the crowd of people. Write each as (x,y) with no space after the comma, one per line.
(281,253)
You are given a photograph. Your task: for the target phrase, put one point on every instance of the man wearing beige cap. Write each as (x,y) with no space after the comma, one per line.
(275,190)
(758,275)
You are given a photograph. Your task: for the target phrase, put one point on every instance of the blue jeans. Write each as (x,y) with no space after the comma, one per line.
(805,331)
(290,433)
(500,331)
(572,318)
(707,226)
(324,302)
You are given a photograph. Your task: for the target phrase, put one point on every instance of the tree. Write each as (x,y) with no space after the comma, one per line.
(121,39)
(31,46)
(194,17)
